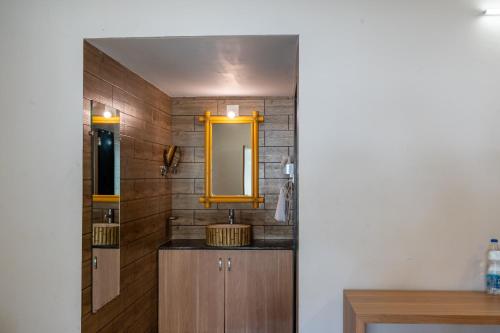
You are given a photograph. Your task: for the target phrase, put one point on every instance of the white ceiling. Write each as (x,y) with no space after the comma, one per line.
(210,66)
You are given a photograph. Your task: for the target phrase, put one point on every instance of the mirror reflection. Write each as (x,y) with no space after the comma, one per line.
(106,149)
(232,159)
(105,134)
(105,175)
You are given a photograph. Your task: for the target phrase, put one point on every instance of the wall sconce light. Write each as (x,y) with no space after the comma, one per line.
(107,114)
(492,12)
(232,111)
(171,159)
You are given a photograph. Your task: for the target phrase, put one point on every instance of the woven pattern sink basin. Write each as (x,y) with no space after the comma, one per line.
(228,234)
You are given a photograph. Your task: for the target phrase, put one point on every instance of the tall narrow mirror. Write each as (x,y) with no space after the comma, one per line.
(105,132)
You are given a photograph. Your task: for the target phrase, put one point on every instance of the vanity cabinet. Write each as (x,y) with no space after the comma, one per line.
(191,292)
(226,291)
(259,292)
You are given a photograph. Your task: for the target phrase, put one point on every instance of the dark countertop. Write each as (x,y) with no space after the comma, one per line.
(258,244)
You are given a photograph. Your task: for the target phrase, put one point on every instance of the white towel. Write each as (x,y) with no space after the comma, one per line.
(280,215)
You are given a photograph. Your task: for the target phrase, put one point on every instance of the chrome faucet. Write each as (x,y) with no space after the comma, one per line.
(108,216)
(231,216)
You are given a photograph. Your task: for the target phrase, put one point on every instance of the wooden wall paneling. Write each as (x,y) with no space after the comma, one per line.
(276,139)
(86,274)
(136,318)
(136,280)
(145,131)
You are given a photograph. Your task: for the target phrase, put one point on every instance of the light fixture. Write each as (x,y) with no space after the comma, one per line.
(107,114)
(232,111)
(492,12)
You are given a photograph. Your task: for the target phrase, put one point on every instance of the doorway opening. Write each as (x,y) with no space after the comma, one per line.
(161,88)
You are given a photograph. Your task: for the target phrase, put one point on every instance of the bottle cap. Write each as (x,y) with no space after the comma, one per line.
(494,240)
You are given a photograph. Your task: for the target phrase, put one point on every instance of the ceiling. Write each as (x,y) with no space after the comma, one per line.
(210,66)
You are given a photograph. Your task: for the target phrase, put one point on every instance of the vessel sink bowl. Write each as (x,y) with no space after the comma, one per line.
(228,234)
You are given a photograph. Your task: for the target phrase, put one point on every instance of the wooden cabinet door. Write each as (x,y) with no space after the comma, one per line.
(105,276)
(191,289)
(259,291)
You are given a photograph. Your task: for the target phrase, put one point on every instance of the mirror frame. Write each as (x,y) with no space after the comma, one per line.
(254,120)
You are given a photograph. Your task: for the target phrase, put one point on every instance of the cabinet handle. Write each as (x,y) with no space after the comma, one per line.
(229,264)
(220,264)
(94,262)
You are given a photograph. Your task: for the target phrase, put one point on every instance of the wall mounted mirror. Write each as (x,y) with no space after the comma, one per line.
(232,159)
(105,132)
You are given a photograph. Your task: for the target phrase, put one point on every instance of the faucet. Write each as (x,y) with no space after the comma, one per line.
(231,216)
(108,216)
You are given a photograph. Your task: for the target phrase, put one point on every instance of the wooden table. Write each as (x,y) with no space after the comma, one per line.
(363,307)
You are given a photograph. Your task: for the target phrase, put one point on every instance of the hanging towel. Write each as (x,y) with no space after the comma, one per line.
(280,215)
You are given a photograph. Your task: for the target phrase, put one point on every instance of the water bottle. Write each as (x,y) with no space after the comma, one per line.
(493,273)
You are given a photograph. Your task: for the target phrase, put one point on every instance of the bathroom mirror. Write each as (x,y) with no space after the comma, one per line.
(105,133)
(232,159)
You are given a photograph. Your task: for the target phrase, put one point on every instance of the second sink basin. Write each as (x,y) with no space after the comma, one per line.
(228,234)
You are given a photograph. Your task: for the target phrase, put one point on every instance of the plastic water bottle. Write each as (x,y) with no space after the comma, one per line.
(493,273)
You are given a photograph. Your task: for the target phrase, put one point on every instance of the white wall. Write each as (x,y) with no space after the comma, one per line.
(402,96)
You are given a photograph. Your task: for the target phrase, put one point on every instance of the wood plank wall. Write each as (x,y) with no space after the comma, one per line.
(276,140)
(145,195)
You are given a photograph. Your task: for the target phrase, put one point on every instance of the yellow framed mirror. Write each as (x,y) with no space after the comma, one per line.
(231,159)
